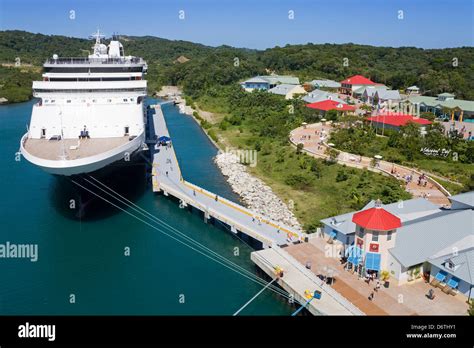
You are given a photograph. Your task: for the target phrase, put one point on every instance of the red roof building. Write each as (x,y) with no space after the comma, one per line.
(327,105)
(397,120)
(377,219)
(358,80)
(350,84)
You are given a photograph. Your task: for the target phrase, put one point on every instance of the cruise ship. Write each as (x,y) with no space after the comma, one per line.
(90,112)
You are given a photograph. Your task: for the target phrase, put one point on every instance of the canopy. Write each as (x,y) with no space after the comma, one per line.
(354,254)
(372,261)
(441,276)
(453,282)
(398,120)
(164,138)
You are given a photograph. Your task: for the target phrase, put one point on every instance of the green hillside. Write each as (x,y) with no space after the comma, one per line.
(211,67)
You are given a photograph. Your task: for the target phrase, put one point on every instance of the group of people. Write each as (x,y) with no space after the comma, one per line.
(305,137)
(408,178)
(373,277)
(422,180)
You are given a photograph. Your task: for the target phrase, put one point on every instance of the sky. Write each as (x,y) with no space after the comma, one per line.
(253,23)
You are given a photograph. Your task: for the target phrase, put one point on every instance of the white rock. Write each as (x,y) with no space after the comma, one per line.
(256,195)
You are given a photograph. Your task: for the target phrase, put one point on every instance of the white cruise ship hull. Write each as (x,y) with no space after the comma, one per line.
(69,167)
(90,112)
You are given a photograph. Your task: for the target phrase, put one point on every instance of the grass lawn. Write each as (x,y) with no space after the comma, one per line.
(317,190)
(454,171)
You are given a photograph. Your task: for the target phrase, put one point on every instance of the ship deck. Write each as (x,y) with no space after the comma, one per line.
(73,148)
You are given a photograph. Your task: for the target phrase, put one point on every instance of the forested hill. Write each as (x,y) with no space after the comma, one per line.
(209,67)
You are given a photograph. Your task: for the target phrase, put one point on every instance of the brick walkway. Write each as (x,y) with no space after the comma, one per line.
(407,299)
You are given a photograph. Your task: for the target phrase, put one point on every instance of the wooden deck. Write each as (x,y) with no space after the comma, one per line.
(72,148)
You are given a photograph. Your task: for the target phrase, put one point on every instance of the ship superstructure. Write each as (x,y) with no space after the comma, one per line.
(90,111)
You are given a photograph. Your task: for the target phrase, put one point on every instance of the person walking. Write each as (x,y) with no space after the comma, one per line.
(371,296)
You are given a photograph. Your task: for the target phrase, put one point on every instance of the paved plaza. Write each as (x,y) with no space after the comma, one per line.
(406,299)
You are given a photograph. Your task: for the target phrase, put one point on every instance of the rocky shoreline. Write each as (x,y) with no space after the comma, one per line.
(257,196)
(254,193)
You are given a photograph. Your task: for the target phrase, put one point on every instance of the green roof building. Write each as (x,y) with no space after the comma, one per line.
(445,104)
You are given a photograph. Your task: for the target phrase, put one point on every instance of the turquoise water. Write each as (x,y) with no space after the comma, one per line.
(83,254)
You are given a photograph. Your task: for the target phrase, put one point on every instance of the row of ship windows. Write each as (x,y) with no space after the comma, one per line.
(39,90)
(126,100)
(83,133)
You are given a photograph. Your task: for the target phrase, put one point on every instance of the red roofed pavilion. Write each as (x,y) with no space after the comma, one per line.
(377,219)
(327,105)
(397,120)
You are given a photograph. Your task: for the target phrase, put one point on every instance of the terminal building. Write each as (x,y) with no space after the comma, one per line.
(411,240)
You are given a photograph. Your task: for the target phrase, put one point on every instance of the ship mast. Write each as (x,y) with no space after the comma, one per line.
(97,36)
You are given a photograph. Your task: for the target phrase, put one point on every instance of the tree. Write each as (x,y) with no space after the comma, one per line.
(411,139)
(428,116)
(331,115)
(315,168)
(299,148)
(470,310)
(341,175)
(435,139)
(332,153)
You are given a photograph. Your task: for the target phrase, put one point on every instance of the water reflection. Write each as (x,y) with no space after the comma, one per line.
(76,203)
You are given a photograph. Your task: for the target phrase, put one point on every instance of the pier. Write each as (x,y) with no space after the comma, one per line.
(168,179)
(298,279)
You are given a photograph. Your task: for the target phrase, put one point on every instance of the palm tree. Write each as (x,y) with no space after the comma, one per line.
(446,111)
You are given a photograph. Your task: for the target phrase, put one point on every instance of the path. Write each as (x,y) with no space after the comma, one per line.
(314,138)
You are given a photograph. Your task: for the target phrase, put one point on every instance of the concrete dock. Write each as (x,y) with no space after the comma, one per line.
(297,279)
(167,178)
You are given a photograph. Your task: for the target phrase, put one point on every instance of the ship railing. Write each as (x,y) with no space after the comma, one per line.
(86,60)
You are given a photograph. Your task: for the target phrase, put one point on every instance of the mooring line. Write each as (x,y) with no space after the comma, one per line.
(253,298)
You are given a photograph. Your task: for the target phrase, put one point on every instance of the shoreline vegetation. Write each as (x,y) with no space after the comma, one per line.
(313,188)
(253,191)
(202,69)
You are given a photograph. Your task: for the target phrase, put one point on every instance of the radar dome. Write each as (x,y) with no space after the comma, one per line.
(102,49)
(55,56)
